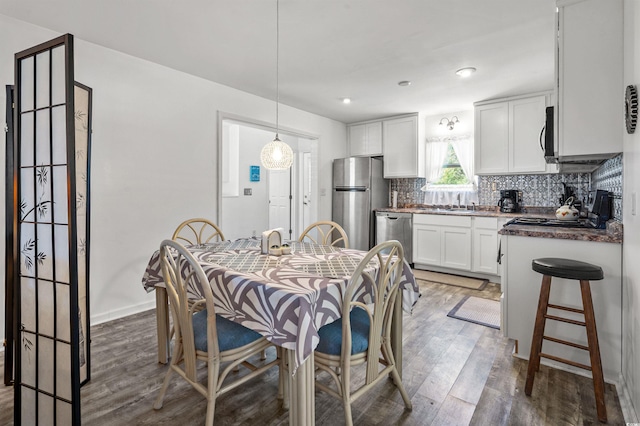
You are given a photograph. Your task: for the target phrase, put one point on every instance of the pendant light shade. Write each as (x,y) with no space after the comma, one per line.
(277,155)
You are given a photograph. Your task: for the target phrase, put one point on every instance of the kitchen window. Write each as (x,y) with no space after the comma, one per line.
(452,172)
(450,175)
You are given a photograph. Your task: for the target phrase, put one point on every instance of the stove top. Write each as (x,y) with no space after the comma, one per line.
(543,221)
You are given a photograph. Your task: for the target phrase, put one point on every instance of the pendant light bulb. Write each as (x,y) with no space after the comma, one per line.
(277,155)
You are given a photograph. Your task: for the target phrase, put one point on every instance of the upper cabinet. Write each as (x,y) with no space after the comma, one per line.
(365,139)
(590,81)
(403,147)
(507,135)
(398,139)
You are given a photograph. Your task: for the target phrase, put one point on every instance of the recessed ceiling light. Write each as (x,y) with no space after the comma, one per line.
(346,100)
(404,83)
(466,72)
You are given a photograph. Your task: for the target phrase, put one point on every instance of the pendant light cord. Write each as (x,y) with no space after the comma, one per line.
(277,65)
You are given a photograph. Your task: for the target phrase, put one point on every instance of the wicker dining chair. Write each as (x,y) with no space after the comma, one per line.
(327,233)
(201,335)
(363,334)
(197,231)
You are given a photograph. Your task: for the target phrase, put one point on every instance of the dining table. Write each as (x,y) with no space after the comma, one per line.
(285,298)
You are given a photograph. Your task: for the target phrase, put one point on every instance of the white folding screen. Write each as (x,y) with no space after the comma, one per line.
(49,248)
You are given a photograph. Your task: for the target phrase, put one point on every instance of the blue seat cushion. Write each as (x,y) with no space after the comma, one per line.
(331,334)
(231,335)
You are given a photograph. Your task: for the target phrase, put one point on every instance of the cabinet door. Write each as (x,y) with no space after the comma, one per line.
(456,248)
(357,140)
(365,139)
(492,138)
(426,244)
(526,120)
(374,138)
(400,147)
(590,78)
(485,251)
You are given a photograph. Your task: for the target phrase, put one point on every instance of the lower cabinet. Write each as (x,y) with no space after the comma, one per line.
(456,242)
(443,241)
(485,245)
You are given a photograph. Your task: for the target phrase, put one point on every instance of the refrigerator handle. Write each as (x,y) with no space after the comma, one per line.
(351,189)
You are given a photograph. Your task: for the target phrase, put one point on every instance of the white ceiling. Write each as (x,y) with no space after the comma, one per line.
(329,49)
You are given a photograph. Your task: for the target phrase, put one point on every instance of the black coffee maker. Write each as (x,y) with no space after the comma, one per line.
(510,200)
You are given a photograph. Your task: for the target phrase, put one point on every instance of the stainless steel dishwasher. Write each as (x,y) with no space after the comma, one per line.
(396,226)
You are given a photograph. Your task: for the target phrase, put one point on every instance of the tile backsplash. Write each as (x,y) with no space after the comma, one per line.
(609,177)
(537,190)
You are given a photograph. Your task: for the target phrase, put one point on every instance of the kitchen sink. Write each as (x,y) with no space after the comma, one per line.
(448,210)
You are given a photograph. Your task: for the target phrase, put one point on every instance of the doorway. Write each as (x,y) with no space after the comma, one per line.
(252,199)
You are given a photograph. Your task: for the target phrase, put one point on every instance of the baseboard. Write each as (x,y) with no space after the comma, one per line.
(116,314)
(123,312)
(626,403)
(463,273)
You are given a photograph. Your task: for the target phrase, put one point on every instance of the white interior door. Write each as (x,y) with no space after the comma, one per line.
(280,200)
(307,190)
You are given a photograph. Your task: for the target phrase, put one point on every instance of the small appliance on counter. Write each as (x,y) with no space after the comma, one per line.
(601,209)
(569,193)
(510,200)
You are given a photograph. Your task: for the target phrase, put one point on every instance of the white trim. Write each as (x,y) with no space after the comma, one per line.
(626,403)
(469,187)
(122,312)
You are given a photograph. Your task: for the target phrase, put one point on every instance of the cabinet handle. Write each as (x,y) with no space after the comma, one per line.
(540,138)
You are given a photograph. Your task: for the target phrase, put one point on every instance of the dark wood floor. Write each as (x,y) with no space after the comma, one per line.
(456,373)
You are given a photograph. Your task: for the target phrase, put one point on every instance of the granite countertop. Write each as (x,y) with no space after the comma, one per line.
(483,211)
(613,233)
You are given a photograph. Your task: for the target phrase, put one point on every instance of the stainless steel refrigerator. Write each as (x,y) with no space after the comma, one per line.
(358,189)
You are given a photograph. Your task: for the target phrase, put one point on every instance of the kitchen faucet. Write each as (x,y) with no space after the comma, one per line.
(458,198)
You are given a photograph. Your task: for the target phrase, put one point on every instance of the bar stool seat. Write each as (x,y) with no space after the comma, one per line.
(572,270)
(567,268)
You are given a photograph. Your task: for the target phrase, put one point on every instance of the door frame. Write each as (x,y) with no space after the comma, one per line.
(270,127)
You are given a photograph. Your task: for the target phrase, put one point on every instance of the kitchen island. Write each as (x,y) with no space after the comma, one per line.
(521,289)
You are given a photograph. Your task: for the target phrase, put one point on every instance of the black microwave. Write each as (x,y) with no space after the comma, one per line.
(547,137)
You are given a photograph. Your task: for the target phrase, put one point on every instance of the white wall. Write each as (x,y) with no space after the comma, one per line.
(243,214)
(631,245)
(154,157)
(464,126)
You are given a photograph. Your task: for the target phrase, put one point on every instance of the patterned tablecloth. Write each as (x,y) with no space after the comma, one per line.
(285,298)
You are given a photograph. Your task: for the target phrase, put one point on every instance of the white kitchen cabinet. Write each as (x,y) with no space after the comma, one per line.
(365,139)
(590,79)
(403,147)
(492,138)
(443,241)
(485,245)
(507,135)
(426,244)
(456,247)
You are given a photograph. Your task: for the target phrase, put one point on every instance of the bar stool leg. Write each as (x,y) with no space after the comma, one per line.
(538,333)
(594,350)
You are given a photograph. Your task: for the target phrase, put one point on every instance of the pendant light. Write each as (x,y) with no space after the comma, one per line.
(277,155)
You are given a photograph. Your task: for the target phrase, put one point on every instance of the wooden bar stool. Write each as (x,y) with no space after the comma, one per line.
(572,270)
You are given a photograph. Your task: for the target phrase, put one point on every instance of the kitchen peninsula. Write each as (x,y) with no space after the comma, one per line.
(521,289)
